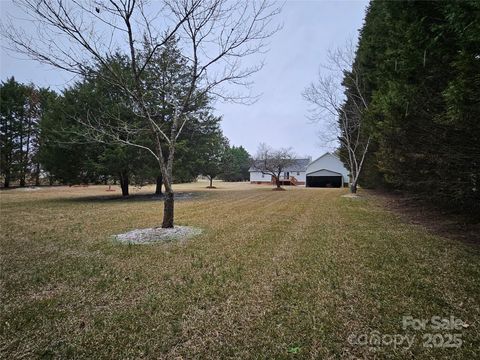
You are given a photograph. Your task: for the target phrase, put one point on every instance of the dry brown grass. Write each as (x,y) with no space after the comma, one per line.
(273,275)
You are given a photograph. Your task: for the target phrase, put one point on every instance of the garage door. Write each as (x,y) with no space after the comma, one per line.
(324,178)
(324,181)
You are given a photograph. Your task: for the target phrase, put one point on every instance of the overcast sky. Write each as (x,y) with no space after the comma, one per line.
(278,118)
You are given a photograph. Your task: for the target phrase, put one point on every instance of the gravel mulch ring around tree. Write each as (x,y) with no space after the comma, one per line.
(352,196)
(154,235)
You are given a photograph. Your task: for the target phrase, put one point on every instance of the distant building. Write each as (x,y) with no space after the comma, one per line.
(325,171)
(291,175)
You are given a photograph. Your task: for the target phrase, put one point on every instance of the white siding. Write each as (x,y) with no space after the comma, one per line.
(257,176)
(328,162)
(302,177)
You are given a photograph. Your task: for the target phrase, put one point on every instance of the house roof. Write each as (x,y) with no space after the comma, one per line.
(327,153)
(297,165)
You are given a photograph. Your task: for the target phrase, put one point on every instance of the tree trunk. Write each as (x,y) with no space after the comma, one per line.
(27,151)
(353,188)
(277,181)
(6,182)
(158,188)
(124,183)
(211,181)
(37,174)
(8,168)
(168,206)
(22,174)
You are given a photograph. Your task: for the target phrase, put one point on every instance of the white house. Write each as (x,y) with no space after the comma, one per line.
(293,174)
(326,171)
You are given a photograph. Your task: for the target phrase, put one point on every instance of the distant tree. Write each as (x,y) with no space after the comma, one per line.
(123,163)
(191,149)
(65,136)
(22,107)
(213,155)
(66,156)
(236,163)
(273,162)
(339,99)
(46,100)
(12,110)
(27,130)
(107,104)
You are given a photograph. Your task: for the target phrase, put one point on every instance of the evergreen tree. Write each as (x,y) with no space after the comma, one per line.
(64,153)
(70,151)
(22,107)
(421,65)
(211,155)
(236,163)
(12,110)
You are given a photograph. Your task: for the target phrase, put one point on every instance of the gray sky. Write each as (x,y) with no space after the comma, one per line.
(278,118)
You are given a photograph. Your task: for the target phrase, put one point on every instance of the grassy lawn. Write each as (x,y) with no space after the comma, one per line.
(292,274)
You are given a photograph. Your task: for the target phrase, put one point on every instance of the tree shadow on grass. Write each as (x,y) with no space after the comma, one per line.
(179,196)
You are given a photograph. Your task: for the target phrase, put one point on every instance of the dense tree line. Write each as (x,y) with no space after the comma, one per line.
(21,109)
(86,132)
(420,70)
(42,140)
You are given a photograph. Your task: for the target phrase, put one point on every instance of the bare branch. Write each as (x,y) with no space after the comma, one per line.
(339,102)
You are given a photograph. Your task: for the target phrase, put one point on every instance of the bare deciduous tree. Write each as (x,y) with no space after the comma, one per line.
(214,36)
(339,102)
(273,162)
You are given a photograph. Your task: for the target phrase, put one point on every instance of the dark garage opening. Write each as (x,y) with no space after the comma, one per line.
(324,181)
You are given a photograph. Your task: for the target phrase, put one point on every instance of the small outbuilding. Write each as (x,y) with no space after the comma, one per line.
(326,171)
